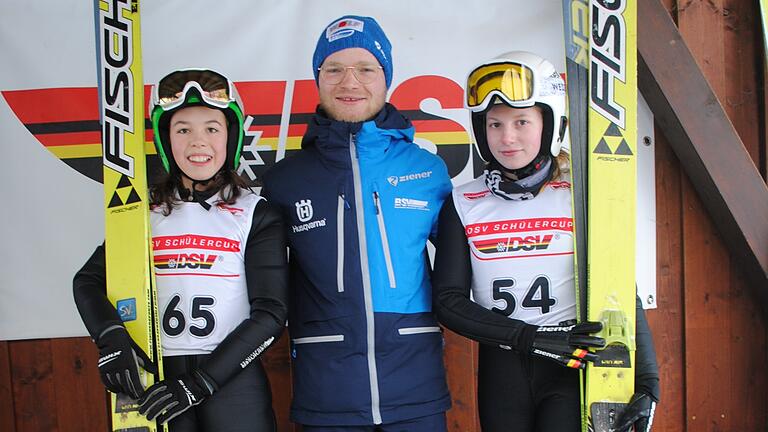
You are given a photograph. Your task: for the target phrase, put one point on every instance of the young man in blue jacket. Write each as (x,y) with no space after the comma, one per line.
(360,201)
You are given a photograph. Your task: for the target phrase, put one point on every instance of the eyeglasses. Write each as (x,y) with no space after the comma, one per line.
(214,88)
(511,81)
(364,73)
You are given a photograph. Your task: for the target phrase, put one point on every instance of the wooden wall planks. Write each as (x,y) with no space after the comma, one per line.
(667,320)
(719,353)
(7,417)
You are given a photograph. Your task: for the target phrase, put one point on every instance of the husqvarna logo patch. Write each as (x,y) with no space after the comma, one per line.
(304,210)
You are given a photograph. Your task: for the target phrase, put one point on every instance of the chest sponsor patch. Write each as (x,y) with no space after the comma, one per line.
(514,244)
(519,225)
(185,261)
(411,204)
(308,226)
(304,210)
(194,241)
(395,180)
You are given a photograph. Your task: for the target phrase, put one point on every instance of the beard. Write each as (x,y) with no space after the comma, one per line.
(365,111)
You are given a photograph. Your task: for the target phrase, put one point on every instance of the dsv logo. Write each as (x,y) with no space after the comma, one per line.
(182,261)
(304,210)
(514,244)
(529,243)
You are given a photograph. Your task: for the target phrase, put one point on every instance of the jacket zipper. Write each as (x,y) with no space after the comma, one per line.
(340,242)
(384,240)
(370,330)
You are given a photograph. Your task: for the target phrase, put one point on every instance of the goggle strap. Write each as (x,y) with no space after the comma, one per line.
(236,158)
(158,140)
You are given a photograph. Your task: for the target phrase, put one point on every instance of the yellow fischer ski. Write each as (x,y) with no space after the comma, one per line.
(577,34)
(611,201)
(130,276)
(601,64)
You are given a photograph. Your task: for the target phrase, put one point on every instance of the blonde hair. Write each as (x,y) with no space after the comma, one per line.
(562,164)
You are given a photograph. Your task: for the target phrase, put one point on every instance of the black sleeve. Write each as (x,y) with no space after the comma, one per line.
(266,274)
(646,369)
(89,287)
(451,288)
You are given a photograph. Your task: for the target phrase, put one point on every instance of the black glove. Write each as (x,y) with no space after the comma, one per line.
(638,413)
(170,397)
(119,361)
(568,345)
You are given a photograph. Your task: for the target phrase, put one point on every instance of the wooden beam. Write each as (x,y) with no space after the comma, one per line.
(7,419)
(702,136)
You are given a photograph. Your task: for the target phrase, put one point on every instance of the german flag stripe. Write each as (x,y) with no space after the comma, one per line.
(65,139)
(262,97)
(61,105)
(63,127)
(437,125)
(305,96)
(70,129)
(488,243)
(445,138)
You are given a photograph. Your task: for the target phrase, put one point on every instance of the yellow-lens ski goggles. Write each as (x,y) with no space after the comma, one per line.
(510,81)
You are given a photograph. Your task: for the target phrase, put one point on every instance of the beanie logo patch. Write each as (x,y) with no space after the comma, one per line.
(343,28)
(381,50)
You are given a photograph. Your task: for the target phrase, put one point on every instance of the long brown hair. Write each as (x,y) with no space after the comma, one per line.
(164,191)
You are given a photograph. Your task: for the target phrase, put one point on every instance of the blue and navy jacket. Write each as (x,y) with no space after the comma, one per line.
(360,201)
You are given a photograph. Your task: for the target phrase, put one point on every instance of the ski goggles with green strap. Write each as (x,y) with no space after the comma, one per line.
(214,89)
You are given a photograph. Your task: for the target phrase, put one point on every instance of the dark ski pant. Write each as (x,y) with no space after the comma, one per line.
(243,405)
(521,393)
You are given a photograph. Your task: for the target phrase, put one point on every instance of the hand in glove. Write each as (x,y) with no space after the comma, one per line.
(567,345)
(119,361)
(638,413)
(168,398)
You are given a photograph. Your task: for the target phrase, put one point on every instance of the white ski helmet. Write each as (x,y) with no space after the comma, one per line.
(518,79)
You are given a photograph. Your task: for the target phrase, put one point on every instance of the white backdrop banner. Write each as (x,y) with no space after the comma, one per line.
(49,125)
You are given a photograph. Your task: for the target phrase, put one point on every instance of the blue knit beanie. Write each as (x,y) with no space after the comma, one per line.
(352,31)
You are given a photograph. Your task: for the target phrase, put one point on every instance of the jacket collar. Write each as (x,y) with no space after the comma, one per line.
(372,137)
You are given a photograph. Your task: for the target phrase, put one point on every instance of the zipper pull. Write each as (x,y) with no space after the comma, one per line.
(376,201)
(352,144)
(344,198)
